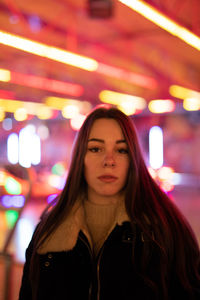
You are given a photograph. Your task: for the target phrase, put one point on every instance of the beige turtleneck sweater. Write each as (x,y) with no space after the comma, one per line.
(99,219)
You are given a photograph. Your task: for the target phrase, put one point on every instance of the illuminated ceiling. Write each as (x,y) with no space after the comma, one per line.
(134,55)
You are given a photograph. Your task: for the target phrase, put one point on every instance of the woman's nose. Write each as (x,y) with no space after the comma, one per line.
(109,161)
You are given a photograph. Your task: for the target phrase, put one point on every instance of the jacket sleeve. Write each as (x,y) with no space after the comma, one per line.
(25,292)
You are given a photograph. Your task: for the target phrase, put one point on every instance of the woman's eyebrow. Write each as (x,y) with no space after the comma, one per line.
(102,141)
(96,140)
(120,141)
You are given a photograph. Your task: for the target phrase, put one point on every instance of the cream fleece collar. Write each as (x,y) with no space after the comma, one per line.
(64,238)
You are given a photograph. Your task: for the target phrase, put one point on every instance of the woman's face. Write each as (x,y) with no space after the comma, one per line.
(106,161)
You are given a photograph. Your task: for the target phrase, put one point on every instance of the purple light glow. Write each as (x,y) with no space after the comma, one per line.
(13,201)
(50,198)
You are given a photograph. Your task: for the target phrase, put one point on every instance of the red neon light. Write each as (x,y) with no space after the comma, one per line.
(47,84)
(6,94)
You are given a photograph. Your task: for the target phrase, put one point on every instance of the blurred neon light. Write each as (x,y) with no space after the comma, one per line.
(59,103)
(11,105)
(152,172)
(166,186)
(77,122)
(7,122)
(165,173)
(70,111)
(176,179)
(4,75)
(43,132)
(161,106)
(12,186)
(156,147)
(41,83)
(44,112)
(51,197)
(135,78)
(117,98)
(46,51)
(11,218)
(191,104)
(2,114)
(22,108)
(29,147)
(13,148)
(58,169)
(56,181)
(47,84)
(164,176)
(20,114)
(127,103)
(6,94)
(128,108)
(13,201)
(182,92)
(2,178)
(41,110)
(24,232)
(164,22)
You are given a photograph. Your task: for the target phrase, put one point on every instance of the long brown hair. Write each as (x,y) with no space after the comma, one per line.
(146,204)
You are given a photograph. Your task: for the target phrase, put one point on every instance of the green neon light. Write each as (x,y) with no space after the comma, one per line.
(12,186)
(11,218)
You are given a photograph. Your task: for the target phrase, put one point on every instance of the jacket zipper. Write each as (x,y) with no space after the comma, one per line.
(98,271)
(91,255)
(98,268)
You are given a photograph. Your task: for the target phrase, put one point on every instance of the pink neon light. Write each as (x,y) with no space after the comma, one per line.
(47,84)
(138,79)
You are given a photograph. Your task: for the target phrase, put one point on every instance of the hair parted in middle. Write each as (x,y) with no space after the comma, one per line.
(146,204)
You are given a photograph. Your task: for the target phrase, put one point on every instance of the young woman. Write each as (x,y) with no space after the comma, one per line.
(113,233)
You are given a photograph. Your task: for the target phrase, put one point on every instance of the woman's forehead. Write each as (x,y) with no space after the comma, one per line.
(106,128)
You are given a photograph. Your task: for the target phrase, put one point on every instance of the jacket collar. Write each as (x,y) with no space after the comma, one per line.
(65,236)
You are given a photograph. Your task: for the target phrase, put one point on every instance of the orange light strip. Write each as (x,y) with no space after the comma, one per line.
(119,98)
(129,104)
(183,92)
(75,60)
(164,22)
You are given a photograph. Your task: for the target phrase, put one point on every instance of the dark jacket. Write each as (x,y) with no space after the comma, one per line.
(114,275)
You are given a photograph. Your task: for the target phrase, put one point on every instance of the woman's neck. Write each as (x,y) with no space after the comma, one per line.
(104,200)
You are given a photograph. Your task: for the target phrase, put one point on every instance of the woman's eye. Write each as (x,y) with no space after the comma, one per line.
(123,151)
(94,149)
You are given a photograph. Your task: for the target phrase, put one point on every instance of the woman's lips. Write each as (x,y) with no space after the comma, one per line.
(107,178)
